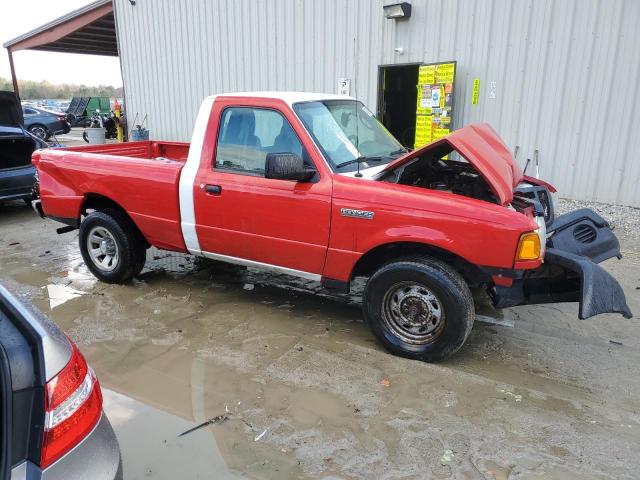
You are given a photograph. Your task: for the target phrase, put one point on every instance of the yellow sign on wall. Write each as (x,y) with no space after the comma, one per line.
(476,91)
(434,107)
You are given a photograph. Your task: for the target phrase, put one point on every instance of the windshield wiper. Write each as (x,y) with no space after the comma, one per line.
(398,152)
(360,160)
(375,158)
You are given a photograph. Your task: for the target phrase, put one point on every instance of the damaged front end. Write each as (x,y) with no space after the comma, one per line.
(576,243)
(474,162)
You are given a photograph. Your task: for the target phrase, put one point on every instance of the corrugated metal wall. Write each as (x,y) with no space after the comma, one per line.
(566,72)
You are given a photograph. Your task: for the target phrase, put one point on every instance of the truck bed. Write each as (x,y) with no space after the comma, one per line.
(140,177)
(150,150)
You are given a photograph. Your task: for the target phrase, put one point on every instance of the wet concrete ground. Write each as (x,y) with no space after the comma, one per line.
(301,389)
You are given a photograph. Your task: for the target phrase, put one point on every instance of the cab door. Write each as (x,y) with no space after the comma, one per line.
(240,214)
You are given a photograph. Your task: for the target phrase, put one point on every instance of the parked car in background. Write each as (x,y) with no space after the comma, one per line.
(52,425)
(17,173)
(44,123)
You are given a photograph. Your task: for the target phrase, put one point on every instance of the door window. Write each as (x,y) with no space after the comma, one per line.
(29,111)
(247,135)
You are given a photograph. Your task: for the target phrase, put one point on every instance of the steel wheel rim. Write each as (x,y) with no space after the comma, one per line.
(413,313)
(39,132)
(103,249)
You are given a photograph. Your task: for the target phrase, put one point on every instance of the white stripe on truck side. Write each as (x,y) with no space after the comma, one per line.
(188,177)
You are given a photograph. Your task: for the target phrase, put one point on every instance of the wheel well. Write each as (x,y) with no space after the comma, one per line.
(97,202)
(378,256)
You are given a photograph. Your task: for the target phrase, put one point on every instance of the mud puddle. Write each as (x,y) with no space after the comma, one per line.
(151,448)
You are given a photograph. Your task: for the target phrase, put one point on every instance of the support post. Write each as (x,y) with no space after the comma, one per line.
(13,73)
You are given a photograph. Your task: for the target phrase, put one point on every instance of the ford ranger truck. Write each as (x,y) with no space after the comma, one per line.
(312,185)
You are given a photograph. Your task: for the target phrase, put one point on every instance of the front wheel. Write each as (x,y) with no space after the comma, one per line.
(111,246)
(419,308)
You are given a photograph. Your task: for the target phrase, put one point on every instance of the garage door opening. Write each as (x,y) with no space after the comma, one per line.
(397,97)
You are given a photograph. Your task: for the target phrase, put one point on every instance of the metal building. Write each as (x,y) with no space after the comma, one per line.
(558,76)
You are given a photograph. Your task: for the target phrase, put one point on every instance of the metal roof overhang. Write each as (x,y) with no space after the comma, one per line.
(89,30)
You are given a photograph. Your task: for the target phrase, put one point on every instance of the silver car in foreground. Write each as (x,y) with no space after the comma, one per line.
(52,425)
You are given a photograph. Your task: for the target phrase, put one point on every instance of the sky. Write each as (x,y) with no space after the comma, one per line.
(21,16)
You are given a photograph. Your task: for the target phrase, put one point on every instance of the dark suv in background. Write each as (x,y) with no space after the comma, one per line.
(17,174)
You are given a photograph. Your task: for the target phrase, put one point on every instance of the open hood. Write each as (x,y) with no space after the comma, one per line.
(10,109)
(485,150)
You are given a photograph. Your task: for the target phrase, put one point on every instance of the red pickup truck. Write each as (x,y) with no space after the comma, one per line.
(312,185)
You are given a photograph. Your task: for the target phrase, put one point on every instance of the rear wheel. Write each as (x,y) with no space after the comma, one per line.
(111,246)
(40,131)
(419,308)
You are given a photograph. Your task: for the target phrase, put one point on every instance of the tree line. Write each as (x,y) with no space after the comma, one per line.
(31,90)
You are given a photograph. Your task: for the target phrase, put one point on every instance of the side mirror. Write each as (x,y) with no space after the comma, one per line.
(287,166)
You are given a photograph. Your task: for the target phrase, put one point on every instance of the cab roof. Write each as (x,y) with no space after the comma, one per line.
(288,97)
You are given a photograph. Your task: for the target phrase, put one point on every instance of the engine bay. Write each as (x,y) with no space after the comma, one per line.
(435,173)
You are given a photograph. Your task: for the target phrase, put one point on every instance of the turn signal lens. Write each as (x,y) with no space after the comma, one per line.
(528,247)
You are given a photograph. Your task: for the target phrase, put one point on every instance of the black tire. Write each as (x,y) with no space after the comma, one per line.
(123,241)
(398,305)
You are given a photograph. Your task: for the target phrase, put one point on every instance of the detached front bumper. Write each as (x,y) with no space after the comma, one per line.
(577,242)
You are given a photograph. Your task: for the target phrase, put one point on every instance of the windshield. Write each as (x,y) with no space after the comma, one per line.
(347,132)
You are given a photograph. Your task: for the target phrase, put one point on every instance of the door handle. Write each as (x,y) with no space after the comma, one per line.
(213,189)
